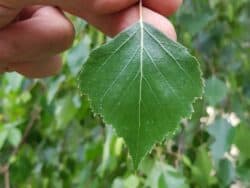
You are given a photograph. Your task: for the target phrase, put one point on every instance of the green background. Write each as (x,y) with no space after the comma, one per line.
(66,146)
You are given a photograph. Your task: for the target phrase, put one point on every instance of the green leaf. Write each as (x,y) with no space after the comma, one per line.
(3,136)
(14,81)
(226,172)
(223,134)
(194,23)
(54,86)
(77,54)
(215,90)
(142,83)
(165,176)
(131,182)
(65,111)
(241,138)
(172,178)
(14,136)
(201,170)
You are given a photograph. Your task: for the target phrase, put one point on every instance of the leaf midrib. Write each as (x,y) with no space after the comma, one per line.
(141,80)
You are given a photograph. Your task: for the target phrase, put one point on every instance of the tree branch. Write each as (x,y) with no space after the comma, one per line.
(4,169)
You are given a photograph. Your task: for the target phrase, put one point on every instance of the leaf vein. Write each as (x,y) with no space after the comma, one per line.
(117,50)
(115,80)
(124,92)
(166,80)
(168,53)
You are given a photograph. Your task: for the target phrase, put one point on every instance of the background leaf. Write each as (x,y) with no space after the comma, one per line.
(215,90)
(223,134)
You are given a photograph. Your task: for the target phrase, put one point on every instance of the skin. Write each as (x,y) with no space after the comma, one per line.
(30,44)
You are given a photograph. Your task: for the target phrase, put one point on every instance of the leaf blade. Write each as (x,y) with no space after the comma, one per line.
(133,86)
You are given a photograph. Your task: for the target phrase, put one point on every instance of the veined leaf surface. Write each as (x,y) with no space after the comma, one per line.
(142,83)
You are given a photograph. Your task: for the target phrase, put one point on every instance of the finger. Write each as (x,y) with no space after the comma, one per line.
(109,6)
(3,67)
(120,21)
(45,34)
(38,69)
(20,4)
(29,12)
(164,7)
(7,15)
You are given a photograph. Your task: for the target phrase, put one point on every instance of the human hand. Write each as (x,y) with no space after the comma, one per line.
(111,16)
(30,45)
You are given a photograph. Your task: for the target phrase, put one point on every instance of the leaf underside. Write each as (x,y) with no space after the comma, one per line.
(142,89)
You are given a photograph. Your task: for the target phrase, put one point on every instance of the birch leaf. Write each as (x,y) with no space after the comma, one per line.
(141,83)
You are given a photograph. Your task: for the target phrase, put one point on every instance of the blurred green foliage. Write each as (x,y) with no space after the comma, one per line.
(66,146)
